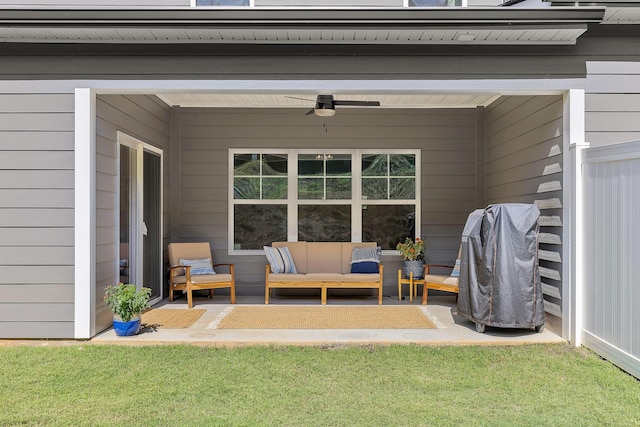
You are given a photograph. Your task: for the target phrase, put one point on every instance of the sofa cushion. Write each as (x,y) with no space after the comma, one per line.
(323,277)
(280,259)
(361,277)
(287,277)
(298,251)
(347,254)
(324,257)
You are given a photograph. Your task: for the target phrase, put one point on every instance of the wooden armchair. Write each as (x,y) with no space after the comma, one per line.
(189,271)
(440,282)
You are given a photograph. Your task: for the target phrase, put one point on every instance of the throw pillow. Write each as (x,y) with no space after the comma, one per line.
(365,260)
(364,267)
(280,259)
(365,254)
(198,266)
(456,269)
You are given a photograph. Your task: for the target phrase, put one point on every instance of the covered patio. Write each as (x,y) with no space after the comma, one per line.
(451,329)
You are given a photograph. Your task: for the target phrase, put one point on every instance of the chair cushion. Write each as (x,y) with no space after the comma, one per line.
(198,266)
(280,259)
(441,280)
(204,278)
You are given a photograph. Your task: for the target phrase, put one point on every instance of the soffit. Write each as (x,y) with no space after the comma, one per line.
(502,26)
(307,100)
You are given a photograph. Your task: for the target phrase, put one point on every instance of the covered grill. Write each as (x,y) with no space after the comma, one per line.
(499,274)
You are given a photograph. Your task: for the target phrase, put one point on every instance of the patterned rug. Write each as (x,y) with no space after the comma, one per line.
(168,318)
(323,317)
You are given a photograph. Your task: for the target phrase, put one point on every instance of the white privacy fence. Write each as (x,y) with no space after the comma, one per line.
(611,297)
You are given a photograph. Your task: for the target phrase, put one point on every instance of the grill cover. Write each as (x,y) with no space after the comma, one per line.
(499,274)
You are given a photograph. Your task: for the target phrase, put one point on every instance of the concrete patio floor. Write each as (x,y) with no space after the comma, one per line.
(452,329)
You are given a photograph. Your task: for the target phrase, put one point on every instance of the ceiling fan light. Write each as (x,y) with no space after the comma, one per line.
(325,112)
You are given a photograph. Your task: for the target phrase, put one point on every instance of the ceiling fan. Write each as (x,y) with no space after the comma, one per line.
(326,105)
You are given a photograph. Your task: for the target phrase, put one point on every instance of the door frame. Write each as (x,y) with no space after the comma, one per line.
(137,214)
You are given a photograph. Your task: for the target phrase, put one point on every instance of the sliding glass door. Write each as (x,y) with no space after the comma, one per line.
(140,244)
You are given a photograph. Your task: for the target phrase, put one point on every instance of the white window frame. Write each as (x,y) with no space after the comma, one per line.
(356,202)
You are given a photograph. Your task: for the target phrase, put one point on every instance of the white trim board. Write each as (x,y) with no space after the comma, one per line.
(85,213)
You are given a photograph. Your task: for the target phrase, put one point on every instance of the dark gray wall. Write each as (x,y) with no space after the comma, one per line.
(447,139)
(523,164)
(36,215)
(147,119)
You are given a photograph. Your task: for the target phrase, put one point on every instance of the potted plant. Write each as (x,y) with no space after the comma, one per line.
(127,303)
(412,252)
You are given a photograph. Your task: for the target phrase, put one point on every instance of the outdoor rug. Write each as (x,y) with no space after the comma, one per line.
(322,317)
(168,318)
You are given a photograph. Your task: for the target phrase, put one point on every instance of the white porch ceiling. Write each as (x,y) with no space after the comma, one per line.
(447,25)
(472,35)
(282,100)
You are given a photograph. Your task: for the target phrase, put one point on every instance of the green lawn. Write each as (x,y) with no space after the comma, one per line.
(311,386)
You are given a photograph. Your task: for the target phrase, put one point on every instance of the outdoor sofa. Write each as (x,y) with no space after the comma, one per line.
(323,265)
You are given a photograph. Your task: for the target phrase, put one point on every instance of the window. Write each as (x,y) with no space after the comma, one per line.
(316,196)
(222,3)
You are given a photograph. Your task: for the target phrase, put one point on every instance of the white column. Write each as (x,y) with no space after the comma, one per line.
(573,235)
(85,208)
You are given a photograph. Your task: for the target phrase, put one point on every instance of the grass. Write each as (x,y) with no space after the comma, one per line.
(311,386)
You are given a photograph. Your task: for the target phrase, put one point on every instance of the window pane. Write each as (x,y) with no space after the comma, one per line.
(310,188)
(375,188)
(338,188)
(375,165)
(338,165)
(388,224)
(246,165)
(311,165)
(402,188)
(274,164)
(402,165)
(259,225)
(326,223)
(222,2)
(274,188)
(246,188)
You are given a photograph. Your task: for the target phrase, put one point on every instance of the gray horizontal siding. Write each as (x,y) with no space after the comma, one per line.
(523,164)
(447,139)
(612,102)
(36,215)
(147,119)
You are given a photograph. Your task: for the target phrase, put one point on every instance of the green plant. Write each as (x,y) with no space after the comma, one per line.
(126,301)
(412,250)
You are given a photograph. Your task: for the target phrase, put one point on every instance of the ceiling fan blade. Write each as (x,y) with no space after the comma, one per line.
(300,99)
(358,103)
(310,111)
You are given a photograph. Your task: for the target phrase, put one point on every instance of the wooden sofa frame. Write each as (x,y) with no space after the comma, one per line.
(323,285)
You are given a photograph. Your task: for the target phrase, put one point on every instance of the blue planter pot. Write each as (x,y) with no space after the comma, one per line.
(126,329)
